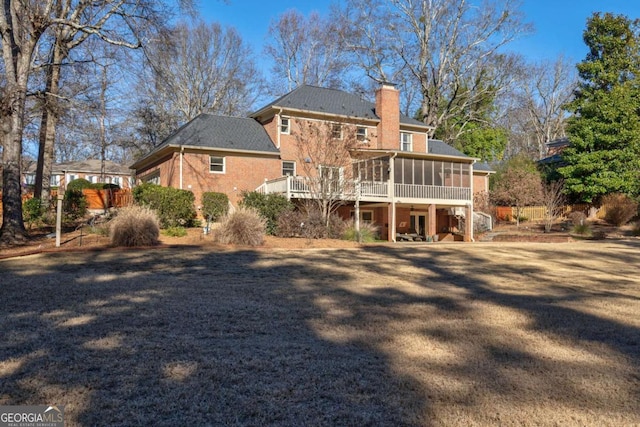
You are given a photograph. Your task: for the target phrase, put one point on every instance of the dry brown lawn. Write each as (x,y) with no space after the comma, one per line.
(415,334)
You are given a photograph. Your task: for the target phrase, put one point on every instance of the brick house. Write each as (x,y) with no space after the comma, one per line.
(407,184)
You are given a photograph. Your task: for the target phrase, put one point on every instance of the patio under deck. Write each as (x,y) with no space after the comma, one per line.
(428,196)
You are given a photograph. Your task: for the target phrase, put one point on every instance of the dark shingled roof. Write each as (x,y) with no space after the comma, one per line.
(331,101)
(439,147)
(230,133)
(482,167)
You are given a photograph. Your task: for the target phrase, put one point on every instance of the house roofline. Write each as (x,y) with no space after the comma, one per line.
(177,147)
(415,154)
(280,109)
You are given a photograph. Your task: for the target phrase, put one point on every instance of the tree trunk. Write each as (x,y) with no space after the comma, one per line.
(50,114)
(12,231)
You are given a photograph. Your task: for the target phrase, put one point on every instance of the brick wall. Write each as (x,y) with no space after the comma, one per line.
(388,109)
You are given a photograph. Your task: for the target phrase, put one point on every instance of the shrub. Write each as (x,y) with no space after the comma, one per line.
(79,184)
(33,211)
(242,227)
(289,224)
(620,209)
(74,204)
(214,205)
(577,218)
(174,207)
(135,226)
(175,232)
(270,206)
(368,233)
(337,227)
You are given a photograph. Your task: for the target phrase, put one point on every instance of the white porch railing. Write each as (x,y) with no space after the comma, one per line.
(410,191)
(299,187)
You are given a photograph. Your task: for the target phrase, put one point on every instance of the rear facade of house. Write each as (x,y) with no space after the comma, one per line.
(407,185)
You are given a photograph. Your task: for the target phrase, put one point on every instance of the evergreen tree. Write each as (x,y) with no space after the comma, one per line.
(604,131)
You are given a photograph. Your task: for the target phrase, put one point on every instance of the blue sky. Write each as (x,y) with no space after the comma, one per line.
(558,23)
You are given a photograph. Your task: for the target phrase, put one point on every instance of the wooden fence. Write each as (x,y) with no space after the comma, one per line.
(96,199)
(537,213)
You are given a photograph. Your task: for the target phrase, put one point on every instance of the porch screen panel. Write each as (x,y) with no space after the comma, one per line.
(457,174)
(407,177)
(448,174)
(418,166)
(428,172)
(438,173)
(466,180)
(398,172)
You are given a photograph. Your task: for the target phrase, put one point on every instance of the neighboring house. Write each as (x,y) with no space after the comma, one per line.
(407,183)
(554,151)
(91,170)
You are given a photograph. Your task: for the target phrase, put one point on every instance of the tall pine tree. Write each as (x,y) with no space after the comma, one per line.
(604,131)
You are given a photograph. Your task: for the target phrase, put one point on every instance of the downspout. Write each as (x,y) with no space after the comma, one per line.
(278,129)
(392,195)
(181,156)
(471,203)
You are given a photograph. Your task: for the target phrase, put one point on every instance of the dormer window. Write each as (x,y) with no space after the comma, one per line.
(285,125)
(406,141)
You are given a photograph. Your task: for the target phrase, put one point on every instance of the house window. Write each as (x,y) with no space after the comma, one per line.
(336,131)
(365,216)
(30,179)
(361,134)
(284,125)
(406,141)
(54,180)
(115,180)
(72,177)
(289,168)
(216,164)
(152,178)
(92,179)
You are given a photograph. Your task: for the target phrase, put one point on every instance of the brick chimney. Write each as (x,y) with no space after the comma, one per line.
(388,110)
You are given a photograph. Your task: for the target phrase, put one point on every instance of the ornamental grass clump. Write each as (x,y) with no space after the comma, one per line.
(368,233)
(135,226)
(243,227)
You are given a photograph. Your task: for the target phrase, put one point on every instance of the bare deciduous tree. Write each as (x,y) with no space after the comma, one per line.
(200,69)
(22,25)
(518,185)
(449,47)
(305,51)
(542,91)
(323,152)
(553,199)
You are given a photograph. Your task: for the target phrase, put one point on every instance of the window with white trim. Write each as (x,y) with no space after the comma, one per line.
(285,125)
(216,164)
(54,180)
(30,179)
(336,131)
(152,178)
(366,216)
(406,141)
(288,168)
(361,134)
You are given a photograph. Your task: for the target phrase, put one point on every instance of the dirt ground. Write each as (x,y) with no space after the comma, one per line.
(417,334)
